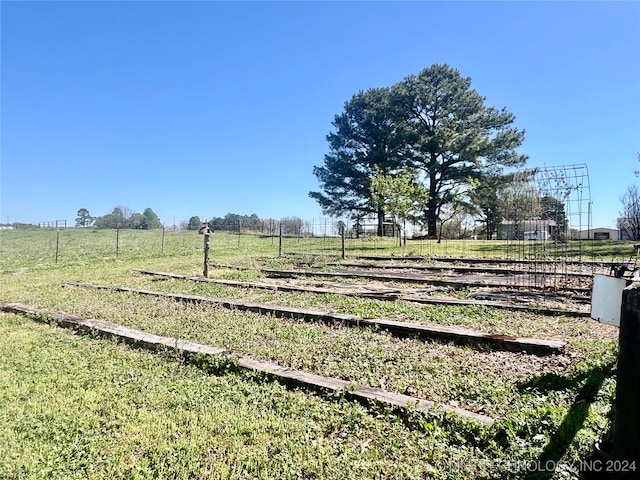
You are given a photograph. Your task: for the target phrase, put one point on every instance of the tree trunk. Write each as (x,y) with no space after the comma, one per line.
(380,222)
(432,207)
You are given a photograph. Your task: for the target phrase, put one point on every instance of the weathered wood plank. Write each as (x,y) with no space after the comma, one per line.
(384,295)
(462,269)
(401,329)
(525,261)
(398,277)
(434,300)
(154,342)
(477,281)
(387,295)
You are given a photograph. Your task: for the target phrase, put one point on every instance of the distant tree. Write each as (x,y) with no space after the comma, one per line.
(521,202)
(269,226)
(233,221)
(230,222)
(486,194)
(553,209)
(194,223)
(291,226)
(253,222)
(150,220)
(629,223)
(84,218)
(457,137)
(369,134)
(456,223)
(135,221)
(456,215)
(120,217)
(127,217)
(399,195)
(115,219)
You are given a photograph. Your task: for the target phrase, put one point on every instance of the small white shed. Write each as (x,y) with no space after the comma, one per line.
(600,234)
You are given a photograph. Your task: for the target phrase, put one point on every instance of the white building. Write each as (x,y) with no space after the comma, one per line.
(600,234)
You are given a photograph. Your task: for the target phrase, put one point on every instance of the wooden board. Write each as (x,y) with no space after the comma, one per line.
(153,342)
(399,277)
(463,269)
(400,329)
(387,295)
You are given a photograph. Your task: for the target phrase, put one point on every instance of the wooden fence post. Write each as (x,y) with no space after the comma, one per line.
(626,434)
(342,229)
(280,242)
(205,271)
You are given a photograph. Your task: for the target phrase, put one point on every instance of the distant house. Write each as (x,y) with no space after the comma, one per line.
(600,234)
(535,229)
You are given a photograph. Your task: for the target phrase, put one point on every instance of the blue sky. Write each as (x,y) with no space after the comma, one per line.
(205,108)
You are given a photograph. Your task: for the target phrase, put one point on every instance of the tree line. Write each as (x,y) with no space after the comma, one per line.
(124,217)
(433,145)
(269,226)
(120,217)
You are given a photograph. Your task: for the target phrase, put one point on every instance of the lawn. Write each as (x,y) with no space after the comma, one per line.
(85,407)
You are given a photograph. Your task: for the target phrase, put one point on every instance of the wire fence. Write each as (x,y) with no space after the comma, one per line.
(62,246)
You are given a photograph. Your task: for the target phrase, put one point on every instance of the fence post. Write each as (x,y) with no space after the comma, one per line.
(57,243)
(626,434)
(239,232)
(280,242)
(342,229)
(162,244)
(404,231)
(205,271)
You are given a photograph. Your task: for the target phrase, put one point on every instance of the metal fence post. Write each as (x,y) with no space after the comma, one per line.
(57,243)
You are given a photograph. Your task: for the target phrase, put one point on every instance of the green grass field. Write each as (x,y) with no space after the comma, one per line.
(84,407)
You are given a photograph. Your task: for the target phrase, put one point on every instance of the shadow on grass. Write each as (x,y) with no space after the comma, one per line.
(574,420)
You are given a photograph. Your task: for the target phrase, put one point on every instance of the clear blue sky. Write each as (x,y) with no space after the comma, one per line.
(205,108)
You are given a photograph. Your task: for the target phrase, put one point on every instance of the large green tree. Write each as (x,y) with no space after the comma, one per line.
(369,135)
(150,220)
(457,137)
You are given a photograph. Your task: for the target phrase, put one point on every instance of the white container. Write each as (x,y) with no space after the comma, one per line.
(606,298)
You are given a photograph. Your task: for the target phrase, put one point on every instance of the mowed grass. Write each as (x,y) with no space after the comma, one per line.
(86,408)
(548,408)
